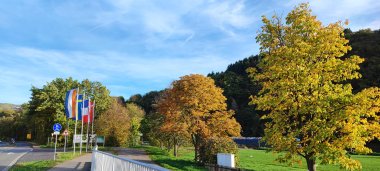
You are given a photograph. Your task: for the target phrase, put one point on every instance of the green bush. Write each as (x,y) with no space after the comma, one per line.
(210,148)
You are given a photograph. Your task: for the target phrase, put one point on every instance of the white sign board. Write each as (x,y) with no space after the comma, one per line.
(56,133)
(225,159)
(77,138)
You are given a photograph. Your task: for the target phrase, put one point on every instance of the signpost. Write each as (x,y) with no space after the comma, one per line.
(65,133)
(77,138)
(100,139)
(56,127)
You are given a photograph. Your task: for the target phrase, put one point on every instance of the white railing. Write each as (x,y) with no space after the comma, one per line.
(102,161)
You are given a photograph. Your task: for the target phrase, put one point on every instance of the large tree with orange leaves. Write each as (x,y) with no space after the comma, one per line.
(195,108)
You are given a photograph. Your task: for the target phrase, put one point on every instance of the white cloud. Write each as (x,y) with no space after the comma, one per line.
(230,13)
(100,66)
(167,19)
(340,10)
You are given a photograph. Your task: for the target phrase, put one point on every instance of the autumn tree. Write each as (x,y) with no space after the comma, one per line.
(195,108)
(313,112)
(114,124)
(175,125)
(136,114)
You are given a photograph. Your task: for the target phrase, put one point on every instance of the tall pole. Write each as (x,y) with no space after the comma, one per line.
(88,124)
(76,120)
(92,122)
(75,132)
(81,131)
(64,147)
(55,146)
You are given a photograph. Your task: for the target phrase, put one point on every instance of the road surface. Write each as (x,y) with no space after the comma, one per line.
(10,154)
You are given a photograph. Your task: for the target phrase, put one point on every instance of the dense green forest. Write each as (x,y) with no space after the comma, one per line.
(366,44)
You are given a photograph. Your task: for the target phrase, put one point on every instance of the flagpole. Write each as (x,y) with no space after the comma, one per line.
(92,122)
(88,119)
(76,120)
(64,149)
(81,131)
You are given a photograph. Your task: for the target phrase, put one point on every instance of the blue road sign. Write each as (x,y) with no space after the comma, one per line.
(57,127)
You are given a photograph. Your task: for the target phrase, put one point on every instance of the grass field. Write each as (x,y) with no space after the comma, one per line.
(258,160)
(261,160)
(167,160)
(43,164)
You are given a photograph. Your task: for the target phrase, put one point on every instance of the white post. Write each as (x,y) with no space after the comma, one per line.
(64,147)
(92,123)
(75,132)
(55,146)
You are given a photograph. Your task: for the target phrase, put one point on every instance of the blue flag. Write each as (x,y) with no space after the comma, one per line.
(80,106)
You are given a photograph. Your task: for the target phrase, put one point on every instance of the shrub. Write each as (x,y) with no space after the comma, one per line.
(211,147)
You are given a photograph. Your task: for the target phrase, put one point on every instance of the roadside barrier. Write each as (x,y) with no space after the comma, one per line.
(102,161)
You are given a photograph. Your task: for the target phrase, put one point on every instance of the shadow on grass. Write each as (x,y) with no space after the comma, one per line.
(179,164)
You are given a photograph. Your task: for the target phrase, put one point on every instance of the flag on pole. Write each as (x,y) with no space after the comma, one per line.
(85,109)
(90,116)
(71,109)
(80,106)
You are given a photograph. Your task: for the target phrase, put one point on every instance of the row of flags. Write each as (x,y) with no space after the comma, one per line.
(77,107)
(74,108)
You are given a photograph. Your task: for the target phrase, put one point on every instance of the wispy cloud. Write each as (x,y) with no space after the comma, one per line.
(139,46)
(28,64)
(355,11)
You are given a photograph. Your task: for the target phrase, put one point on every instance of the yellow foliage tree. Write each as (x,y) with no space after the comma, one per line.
(305,90)
(114,124)
(195,108)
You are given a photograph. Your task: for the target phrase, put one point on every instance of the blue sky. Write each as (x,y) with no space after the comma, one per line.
(139,46)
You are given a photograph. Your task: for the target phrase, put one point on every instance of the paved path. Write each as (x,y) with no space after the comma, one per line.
(82,163)
(10,154)
(134,154)
(38,154)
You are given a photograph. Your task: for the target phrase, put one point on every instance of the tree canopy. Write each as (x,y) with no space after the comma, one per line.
(46,106)
(195,108)
(313,111)
(114,124)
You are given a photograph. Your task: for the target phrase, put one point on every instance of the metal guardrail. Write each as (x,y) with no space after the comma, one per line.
(102,161)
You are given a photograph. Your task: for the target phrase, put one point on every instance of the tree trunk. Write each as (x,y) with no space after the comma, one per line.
(196,147)
(175,148)
(311,164)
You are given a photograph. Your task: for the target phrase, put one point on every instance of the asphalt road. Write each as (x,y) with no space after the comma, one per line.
(10,154)
(38,154)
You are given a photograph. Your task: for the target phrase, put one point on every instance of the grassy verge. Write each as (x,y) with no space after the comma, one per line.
(43,164)
(184,161)
(258,160)
(265,161)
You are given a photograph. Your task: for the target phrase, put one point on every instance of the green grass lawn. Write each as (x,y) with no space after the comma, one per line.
(183,162)
(262,160)
(43,164)
(258,160)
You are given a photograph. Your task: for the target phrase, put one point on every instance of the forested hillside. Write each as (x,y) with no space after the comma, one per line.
(366,44)
(238,87)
